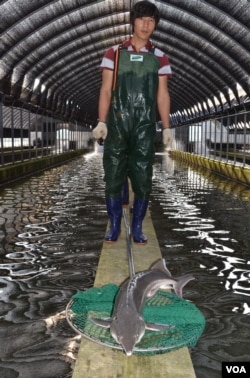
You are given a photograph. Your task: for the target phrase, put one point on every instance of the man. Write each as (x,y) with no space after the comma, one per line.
(134,83)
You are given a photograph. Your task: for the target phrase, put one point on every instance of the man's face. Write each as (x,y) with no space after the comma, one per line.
(144,27)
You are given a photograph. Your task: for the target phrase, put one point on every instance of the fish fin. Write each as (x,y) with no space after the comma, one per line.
(160,265)
(152,292)
(158,327)
(181,282)
(105,323)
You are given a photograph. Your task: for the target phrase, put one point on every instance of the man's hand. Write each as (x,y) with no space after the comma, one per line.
(167,137)
(100,131)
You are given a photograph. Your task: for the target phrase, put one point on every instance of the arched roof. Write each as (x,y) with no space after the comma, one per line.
(51,50)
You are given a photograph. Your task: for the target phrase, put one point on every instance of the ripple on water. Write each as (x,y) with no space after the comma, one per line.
(52,241)
(203,229)
(51,237)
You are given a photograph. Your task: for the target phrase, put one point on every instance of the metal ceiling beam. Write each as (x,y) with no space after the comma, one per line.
(62,43)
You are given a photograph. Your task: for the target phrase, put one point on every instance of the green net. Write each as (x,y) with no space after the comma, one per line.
(163,308)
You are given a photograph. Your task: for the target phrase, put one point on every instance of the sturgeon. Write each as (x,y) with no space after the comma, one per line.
(127,325)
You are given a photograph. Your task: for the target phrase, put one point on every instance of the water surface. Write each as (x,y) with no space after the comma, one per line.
(202,224)
(52,226)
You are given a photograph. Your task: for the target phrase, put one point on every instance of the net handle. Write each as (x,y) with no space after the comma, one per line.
(129,244)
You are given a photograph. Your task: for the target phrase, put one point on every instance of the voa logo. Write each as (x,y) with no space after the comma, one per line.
(236,369)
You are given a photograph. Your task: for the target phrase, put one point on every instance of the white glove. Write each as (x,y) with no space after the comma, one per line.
(167,137)
(100,131)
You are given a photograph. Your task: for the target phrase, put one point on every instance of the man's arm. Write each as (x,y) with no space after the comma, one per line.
(105,94)
(163,101)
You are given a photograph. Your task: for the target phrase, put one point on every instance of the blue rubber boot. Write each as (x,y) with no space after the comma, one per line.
(114,209)
(139,212)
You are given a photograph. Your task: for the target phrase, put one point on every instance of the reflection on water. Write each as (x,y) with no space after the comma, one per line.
(51,237)
(202,224)
(51,233)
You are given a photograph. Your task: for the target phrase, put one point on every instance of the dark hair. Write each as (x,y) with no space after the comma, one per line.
(144,9)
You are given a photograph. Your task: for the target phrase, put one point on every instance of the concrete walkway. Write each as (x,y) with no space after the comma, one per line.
(97,361)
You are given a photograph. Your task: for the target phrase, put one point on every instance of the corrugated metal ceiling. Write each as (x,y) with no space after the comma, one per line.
(51,51)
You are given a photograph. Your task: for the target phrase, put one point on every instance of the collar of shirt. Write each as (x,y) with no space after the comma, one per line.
(130,46)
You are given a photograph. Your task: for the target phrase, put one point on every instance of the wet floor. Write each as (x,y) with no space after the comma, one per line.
(51,237)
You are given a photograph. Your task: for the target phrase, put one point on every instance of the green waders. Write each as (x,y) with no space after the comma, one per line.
(129,146)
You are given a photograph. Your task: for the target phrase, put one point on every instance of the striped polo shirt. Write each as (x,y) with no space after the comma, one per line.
(109,57)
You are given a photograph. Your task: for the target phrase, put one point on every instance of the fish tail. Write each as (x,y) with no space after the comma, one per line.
(181,282)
